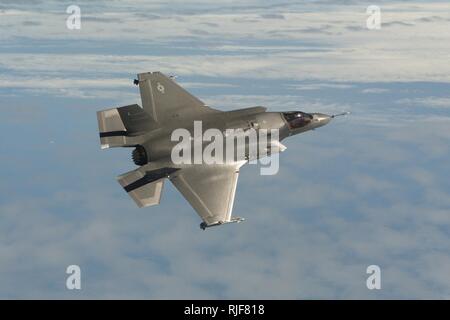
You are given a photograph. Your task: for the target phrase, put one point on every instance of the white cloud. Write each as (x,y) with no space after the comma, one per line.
(427,102)
(375,90)
(337,54)
(318,86)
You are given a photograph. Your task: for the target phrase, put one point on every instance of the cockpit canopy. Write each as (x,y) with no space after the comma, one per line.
(297,119)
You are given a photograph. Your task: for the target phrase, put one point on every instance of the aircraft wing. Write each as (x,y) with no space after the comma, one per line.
(165,100)
(210,190)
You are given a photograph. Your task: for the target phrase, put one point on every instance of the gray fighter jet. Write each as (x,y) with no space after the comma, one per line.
(208,187)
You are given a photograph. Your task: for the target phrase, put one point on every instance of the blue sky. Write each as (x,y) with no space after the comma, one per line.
(371,188)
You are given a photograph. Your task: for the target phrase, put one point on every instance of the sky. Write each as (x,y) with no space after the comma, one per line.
(371,188)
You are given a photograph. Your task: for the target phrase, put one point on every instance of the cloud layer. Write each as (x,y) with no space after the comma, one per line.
(367,189)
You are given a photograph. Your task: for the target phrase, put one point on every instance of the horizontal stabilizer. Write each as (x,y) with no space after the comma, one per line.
(145,187)
(121,127)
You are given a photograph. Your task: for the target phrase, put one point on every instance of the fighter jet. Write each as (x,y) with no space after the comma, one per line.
(209,187)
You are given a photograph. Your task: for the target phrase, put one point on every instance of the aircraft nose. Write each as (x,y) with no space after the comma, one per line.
(321,119)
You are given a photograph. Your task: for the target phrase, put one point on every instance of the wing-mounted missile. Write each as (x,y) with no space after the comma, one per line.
(204,225)
(275,146)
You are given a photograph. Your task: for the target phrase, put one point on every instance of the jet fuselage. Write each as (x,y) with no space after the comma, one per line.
(159,143)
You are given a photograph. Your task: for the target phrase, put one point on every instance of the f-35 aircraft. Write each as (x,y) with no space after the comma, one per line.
(209,187)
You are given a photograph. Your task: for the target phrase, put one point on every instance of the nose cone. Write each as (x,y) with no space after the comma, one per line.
(320,119)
